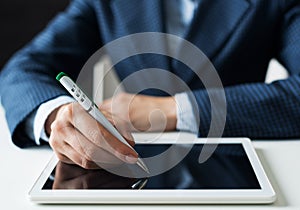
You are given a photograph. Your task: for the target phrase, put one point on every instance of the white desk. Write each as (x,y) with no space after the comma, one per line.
(20,168)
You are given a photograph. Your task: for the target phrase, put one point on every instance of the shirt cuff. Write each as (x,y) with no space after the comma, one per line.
(186,119)
(42,114)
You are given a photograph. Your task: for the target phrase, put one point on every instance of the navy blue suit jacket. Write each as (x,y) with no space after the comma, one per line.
(239,36)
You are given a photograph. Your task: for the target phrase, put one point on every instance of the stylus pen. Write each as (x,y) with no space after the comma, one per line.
(93,110)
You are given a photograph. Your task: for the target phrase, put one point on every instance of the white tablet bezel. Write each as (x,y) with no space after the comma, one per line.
(264,195)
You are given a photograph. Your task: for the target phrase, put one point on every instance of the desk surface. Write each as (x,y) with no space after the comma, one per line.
(279,159)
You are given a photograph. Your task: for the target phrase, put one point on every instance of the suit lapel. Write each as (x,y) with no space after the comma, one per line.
(214,22)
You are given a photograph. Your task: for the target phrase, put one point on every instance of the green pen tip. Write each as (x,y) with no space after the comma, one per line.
(60,75)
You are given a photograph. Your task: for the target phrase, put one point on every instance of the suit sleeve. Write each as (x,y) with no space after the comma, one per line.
(261,110)
(28,79)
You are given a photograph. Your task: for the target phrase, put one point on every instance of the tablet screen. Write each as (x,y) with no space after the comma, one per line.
(227,168)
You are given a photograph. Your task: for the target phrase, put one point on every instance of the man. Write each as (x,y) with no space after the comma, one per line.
(239,37)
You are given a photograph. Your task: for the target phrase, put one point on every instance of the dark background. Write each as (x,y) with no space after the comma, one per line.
(21,20)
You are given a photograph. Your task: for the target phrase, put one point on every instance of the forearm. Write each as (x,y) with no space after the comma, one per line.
(20,98)
(257,110)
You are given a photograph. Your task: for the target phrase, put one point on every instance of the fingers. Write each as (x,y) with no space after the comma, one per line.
(89,150)
(67,154)
(97,134)
(77,138)
(126,133)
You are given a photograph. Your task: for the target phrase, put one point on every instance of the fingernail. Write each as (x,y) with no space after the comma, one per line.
(130,159)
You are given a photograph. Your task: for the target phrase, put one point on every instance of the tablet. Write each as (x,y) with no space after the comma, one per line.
(232,174)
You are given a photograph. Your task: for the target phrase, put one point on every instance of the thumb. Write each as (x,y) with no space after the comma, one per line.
(105,105)
(121,125)
(123,128)
(127,135)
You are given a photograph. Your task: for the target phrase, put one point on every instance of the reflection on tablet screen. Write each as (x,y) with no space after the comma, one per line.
(228,168)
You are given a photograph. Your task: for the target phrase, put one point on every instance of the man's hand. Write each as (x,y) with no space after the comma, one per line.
(145,113)
(77,138)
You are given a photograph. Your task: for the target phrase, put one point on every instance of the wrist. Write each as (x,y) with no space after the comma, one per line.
(50,119)
(169,108)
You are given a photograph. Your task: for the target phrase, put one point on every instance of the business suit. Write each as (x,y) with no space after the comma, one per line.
(239,37)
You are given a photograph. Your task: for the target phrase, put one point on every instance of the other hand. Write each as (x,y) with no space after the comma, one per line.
(145,113)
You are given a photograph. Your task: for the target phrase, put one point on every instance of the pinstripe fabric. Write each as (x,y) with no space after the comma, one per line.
(240,37)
